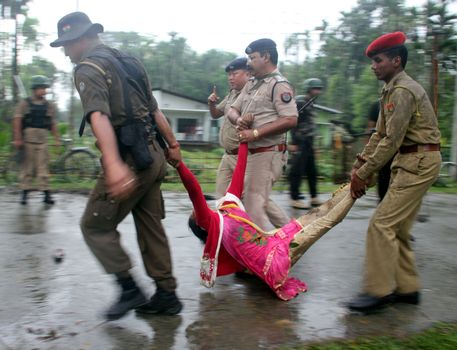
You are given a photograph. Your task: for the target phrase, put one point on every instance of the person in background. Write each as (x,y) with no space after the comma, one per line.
(302,147)
(407,130)
(383,179)
(33,119)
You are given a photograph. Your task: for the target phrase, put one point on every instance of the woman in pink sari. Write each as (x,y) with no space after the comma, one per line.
(234,243)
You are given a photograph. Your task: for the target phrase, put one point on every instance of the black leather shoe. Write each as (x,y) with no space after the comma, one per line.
(128,300)
(367,302)
(406,298)
(24,197)
(162,302)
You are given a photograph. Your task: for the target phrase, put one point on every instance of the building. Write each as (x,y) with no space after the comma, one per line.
(189,118)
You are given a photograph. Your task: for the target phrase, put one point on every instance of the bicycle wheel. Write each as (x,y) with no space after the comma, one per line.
(447,173)
(10,168)
(80,165)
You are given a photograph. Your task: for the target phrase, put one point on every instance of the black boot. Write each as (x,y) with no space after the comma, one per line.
(162,302)
(24,197)
(130,298)
(47,198)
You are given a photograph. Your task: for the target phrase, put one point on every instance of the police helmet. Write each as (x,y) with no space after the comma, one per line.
(40,81)
(312,83)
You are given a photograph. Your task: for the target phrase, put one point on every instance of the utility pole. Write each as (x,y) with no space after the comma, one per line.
(454,128)
(15,67)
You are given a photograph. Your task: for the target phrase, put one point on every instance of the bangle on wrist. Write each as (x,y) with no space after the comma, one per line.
(255,132)
(174,145)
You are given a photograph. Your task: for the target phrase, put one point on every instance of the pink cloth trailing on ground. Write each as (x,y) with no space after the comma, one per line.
(241,245)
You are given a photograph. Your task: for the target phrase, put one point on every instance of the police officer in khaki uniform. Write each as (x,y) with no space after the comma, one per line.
(238,75)
(407,128)
(122,113)
(263,112)
(33,119)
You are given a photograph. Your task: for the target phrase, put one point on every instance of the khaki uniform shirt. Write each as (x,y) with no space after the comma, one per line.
(35,135)
(228,135)
(101,90)
(406,118)
(268,98)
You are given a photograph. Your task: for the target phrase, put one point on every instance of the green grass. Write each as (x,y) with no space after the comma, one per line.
(442,336)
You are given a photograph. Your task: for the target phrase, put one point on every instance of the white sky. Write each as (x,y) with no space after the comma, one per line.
(206,24)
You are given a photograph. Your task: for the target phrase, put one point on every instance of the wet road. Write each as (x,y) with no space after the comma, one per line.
(48,305)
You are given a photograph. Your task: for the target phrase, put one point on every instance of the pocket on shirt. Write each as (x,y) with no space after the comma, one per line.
(406,168)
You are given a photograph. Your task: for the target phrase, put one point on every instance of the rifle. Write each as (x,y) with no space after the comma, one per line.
(307,103)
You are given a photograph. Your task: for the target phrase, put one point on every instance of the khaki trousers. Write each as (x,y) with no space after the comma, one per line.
(389,262)
(320,220)
(35,163)
(275,215)
(102,216)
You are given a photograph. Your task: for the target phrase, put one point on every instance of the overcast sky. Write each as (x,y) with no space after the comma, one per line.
(206,24)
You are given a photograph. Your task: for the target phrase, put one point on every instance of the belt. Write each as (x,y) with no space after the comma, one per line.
(232,152)
(278,148)
(429,147)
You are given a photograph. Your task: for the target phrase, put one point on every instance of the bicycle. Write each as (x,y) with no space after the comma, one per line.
(74,164)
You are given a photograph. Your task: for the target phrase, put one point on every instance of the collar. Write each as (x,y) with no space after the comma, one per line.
(387,87)
(269,76)
(95,45)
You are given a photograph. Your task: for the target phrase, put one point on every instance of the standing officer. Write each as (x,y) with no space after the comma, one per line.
(33,118)
(407,125)
(238,75)
(303,161)
(266,106)
(119,106)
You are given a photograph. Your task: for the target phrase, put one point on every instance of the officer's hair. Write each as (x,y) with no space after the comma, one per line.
(401,51)
(273,54)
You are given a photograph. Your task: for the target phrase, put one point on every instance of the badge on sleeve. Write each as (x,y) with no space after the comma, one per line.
(390,107)
(82,86)
(286,97)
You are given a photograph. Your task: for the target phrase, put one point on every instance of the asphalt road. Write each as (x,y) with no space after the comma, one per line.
(49,305)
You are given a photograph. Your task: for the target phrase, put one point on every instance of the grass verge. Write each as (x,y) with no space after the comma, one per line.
(442,336)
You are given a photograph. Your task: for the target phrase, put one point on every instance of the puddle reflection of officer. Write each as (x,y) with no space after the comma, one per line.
(267,101)
(134,164)
(407,128)
(33,119)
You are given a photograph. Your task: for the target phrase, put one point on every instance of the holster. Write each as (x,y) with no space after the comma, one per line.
(133,139)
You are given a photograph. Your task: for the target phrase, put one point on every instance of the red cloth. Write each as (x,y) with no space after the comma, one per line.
(209,219)
(385,42)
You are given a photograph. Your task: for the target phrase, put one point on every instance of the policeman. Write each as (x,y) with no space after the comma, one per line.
(407,128)
(238,75)
(33,118)
(121,111)
(263,112)
(303,161)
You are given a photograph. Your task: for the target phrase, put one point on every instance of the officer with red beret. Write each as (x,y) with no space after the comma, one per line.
(407,129)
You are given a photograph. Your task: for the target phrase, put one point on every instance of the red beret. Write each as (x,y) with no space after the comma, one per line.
(385,42)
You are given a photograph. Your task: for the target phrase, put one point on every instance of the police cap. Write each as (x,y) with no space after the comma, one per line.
(237,63)
(261,45)
(385,43)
